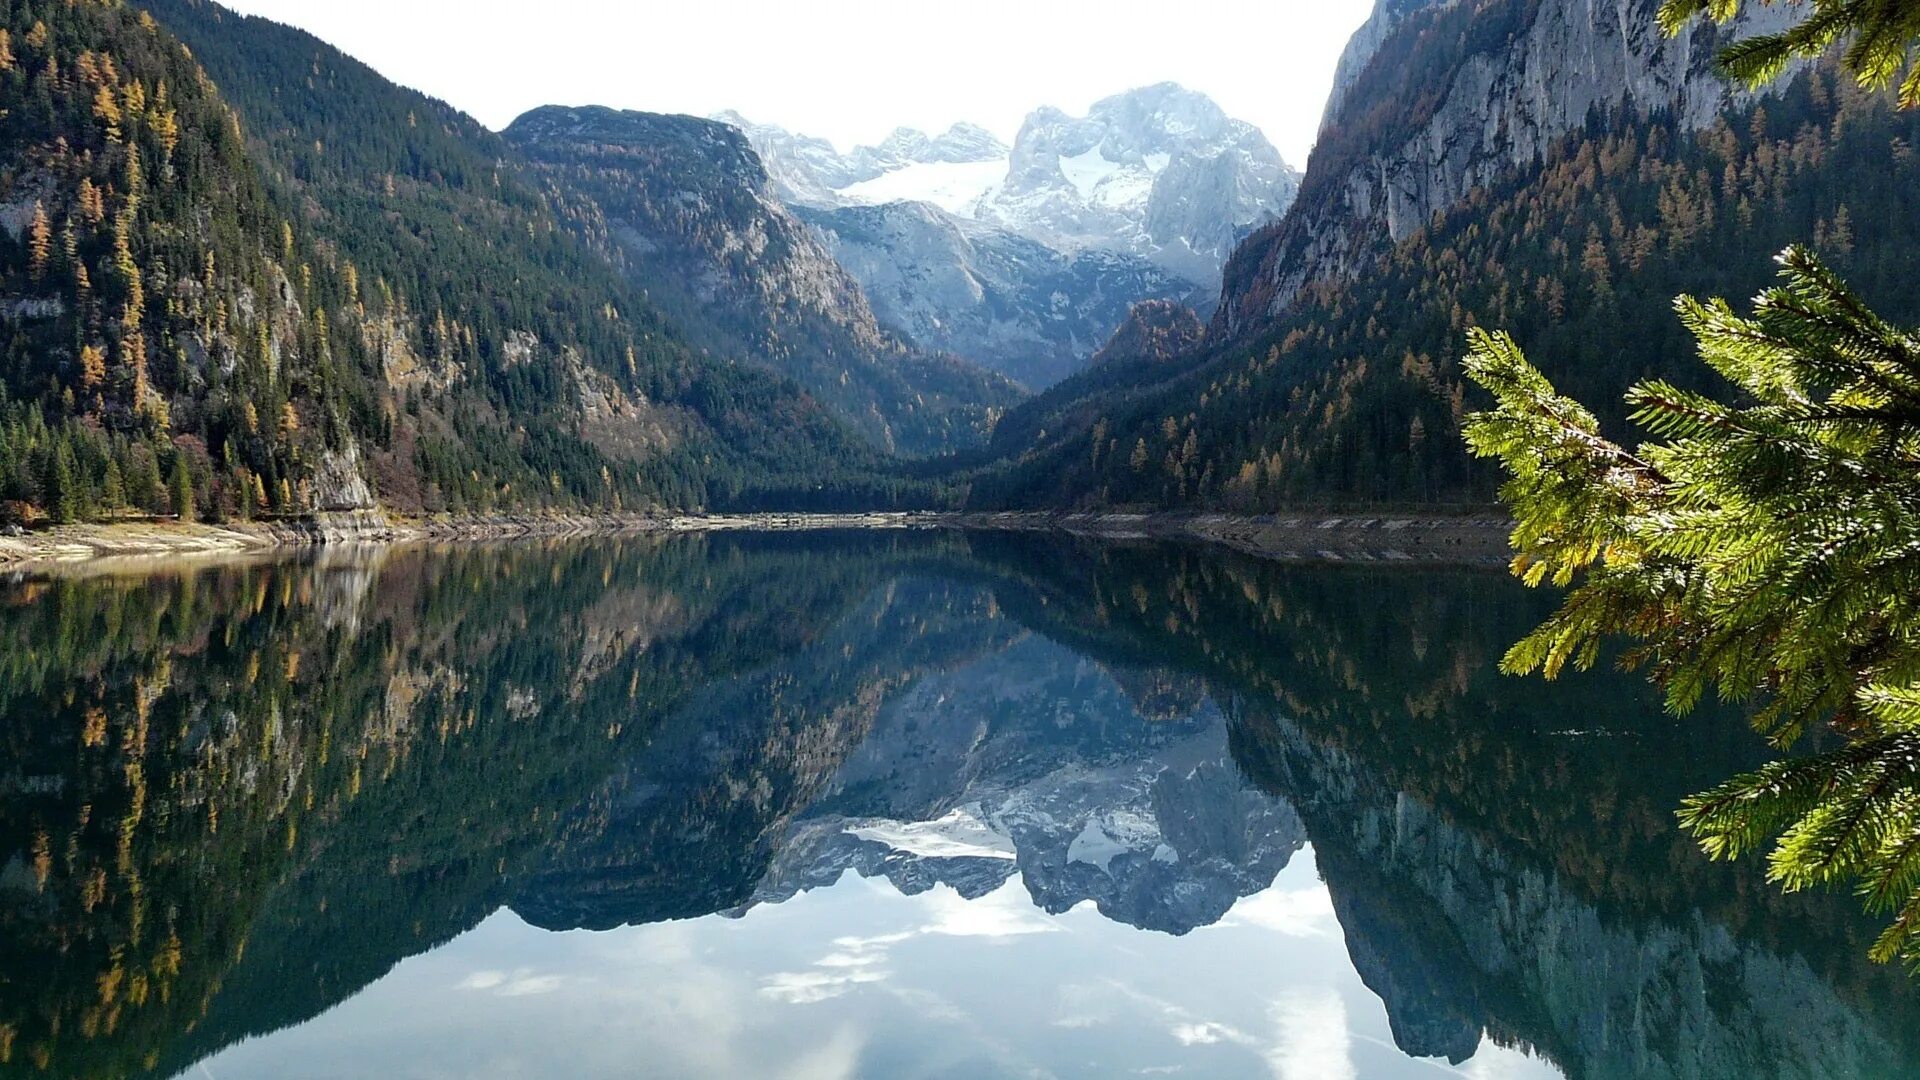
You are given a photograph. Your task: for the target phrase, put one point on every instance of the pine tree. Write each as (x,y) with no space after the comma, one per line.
(113,489)
(1769,551)
(148,493)
(60,487)
(1879,34)
(180,488)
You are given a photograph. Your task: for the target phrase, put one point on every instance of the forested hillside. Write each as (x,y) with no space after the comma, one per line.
(1355,395)
(280,284)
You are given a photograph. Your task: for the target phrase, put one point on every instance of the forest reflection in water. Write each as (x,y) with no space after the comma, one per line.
(1289,816)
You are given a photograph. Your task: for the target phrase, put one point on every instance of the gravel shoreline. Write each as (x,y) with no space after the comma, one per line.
(1476,540)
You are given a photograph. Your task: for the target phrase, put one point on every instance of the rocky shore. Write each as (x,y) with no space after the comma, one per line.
(1460,540)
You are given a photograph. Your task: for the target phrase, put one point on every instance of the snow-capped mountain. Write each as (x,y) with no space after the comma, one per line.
(1160,172)
(907,164)
(1031,312)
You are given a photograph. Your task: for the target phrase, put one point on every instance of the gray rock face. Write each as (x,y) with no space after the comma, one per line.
(1365,42)
(1499,108)
(1159,172)
(685,207)
(339,483)
(1026,258)
(1029,311)
(1038,762)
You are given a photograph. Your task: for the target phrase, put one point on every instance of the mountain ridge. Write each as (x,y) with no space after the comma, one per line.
(685,209)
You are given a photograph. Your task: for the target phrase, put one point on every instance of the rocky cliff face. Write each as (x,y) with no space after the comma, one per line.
(1365,42)
(1160,172)
(685,206)
(1029,311)
(1437,99)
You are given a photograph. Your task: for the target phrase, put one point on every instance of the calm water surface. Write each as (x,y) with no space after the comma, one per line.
(877,806)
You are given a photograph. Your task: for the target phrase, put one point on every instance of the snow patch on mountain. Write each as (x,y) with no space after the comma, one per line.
(953,186)
(1160,172)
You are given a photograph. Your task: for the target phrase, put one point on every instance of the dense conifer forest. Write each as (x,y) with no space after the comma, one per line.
(1355,397)
(277,283)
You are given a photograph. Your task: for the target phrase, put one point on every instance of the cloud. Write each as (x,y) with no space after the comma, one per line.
(1004,912)
(1304,912)
(1313,1042)
(809,987)
(520,983)
(855,961)
(1207,1033)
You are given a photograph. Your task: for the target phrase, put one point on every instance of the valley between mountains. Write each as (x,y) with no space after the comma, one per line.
(244,277)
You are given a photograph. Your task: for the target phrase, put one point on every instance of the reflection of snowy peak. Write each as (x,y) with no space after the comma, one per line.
(1160,172)
(1035,762)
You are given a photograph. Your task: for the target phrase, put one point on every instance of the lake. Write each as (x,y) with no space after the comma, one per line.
(874,805)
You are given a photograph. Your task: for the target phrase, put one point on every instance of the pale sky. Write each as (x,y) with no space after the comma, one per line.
(849,70)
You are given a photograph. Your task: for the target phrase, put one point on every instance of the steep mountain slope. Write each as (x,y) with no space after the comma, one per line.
(334,292)
(1031,312)
(1564,176)
(1154,330)
(685,208)
(1457,97)
(158,314)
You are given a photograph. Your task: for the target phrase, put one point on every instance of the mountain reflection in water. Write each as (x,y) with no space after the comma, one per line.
(874,805)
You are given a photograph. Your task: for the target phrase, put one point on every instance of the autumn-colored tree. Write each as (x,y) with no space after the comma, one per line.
(107,111)
(93,367)
(39,240)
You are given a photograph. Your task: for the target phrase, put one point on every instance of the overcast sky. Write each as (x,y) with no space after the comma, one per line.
(849,70)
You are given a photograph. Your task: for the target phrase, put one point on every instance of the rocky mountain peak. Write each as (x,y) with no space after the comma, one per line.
(963,142)
(1160,172)
(1494,86)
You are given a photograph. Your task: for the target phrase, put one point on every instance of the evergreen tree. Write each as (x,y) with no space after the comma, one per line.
(113,490)
(180,488)
(1769,550)
(1879,35)
(149,493)
(59,487)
